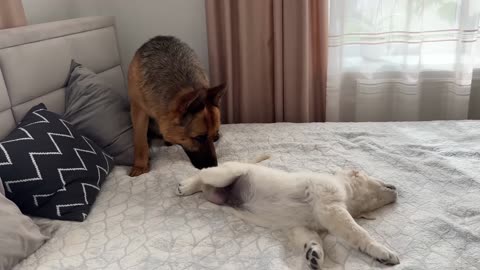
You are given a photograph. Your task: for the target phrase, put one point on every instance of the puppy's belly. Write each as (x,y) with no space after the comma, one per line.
(234,195)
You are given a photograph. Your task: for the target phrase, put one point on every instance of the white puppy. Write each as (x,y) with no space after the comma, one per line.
(301,203)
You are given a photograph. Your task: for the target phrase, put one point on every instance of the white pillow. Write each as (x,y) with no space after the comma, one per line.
(19,236)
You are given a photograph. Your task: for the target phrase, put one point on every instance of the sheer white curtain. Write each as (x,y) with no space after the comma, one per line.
(401,60)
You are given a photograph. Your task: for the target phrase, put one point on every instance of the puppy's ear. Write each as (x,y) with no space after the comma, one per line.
(191,102)
(350,173)
(344,171)
(354,173)
(215,94)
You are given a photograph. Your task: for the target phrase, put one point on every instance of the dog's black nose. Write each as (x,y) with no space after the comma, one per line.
(201,161)
(203,165)
(392,187)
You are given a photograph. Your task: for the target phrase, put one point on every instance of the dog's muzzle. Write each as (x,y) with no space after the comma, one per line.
(200,160)
(391,192)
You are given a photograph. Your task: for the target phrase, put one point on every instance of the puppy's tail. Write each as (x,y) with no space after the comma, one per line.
(260,158)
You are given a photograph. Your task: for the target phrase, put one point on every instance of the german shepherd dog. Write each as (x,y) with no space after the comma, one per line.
(167,85)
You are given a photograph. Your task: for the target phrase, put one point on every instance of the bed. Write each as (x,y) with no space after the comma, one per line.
(139,223)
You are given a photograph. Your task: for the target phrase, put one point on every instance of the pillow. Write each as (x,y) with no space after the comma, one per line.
(19,236)
(99,113)
(49,169)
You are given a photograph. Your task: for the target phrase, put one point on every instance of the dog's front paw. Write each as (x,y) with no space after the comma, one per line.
(314,255)
(390,259)
(137,171)
(386,256)
(187,187)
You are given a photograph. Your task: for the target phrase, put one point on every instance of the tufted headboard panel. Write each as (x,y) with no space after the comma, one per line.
(35,63)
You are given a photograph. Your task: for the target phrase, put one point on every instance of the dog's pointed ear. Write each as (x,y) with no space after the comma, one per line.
(191,102)
(214,94)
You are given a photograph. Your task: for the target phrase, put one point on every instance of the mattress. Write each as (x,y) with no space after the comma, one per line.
(139,223)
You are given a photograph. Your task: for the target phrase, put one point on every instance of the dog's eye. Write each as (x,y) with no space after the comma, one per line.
(201,138)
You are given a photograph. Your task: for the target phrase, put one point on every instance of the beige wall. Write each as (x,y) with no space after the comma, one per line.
(40,11)
(137,21)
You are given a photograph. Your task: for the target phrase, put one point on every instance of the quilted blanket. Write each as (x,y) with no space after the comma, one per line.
(139,223)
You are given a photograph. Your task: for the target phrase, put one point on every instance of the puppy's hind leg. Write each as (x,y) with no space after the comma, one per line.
(311,244)
(337,220)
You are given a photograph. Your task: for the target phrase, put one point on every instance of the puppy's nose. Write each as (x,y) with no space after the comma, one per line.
(392,187)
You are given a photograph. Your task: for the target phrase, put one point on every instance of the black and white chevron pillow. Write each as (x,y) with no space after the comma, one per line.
(50,170)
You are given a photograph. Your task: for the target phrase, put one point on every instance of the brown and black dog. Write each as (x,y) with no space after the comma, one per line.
(167,84)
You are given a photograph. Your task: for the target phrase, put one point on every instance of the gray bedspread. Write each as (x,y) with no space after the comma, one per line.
(139,223)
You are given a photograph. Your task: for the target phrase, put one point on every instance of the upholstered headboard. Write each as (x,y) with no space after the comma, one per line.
(35,62)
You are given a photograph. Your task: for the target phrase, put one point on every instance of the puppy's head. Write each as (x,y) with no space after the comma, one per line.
(367,193)
(194,122)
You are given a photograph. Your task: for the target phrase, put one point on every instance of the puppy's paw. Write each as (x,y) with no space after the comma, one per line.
(314,255)
(386,256)
(391,259)
(188,187)
(137,171)
(261,158)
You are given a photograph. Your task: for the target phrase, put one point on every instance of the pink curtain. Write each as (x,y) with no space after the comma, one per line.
(11,14)
(273,56)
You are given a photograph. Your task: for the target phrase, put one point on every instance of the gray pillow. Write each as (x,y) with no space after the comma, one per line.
(98,112)
(19,236)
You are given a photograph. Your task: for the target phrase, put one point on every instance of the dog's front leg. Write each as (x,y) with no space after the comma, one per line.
(141,151)
(189,186)
(223,175)
(310,242)
(339,222)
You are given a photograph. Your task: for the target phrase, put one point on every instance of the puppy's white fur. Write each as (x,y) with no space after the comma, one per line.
(301,203)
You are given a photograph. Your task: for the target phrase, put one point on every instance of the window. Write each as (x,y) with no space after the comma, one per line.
(404,34)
